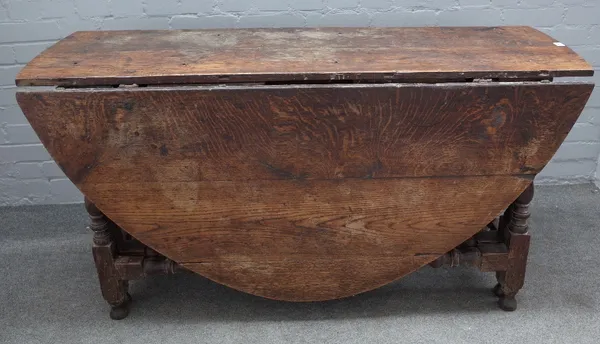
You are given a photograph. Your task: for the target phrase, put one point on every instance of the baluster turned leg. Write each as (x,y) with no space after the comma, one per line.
(511,280)
(114,290)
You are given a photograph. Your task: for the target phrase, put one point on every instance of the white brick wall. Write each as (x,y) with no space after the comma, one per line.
(28,175)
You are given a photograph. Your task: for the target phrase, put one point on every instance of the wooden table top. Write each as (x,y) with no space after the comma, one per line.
(307,54)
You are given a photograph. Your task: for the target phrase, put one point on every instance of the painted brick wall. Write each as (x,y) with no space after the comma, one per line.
(28,175)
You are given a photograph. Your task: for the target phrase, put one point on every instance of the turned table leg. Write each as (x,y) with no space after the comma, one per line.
(517,238)
(114,290)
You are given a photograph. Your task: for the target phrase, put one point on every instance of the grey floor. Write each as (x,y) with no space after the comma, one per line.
(49,292)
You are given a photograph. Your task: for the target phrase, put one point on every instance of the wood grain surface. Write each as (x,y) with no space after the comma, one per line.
(306,240)
(304,192)
(304,55)
(303,132)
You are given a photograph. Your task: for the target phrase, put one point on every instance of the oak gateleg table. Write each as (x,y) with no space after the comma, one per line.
(305,164)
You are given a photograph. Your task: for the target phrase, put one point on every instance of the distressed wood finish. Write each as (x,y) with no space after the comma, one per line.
(304,193)
(492,249)
(512,280)
(113,288)
(325,217)
(305,164)
(307,54)
(302,132)
(306,240)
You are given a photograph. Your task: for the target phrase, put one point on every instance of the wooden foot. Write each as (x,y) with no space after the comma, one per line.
(507,304)
(114,290)
(517,238)
(121,311)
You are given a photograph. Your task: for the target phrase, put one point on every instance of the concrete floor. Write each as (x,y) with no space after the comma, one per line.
(49,292)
